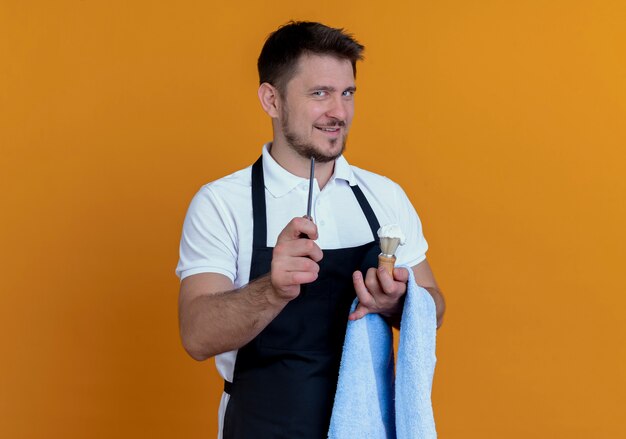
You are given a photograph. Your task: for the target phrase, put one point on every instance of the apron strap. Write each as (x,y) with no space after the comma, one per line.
(227,386)
(259,237)
(367,210)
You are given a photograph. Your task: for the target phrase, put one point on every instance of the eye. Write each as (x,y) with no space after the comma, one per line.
(348,93)
(320,93)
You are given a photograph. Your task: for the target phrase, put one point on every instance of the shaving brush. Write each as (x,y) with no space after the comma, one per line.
(391,237)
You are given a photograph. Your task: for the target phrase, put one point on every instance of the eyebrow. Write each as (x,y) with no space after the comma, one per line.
(330,89)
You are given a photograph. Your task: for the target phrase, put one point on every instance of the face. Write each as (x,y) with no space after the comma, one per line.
(318,106)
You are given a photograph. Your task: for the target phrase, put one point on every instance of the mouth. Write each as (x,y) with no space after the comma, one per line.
(332,130)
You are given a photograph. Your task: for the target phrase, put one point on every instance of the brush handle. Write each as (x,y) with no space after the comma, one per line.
(388,263)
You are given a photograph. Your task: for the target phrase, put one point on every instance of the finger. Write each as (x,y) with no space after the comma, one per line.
(297,248)
(287,284)
(303,277)
(373,283)
(362,293)
(283,270)
(296,227)
(387,283)
(390,286)
(293,272)
(309,228)
(302,235)
(360,312)
(310,249)
(302,264)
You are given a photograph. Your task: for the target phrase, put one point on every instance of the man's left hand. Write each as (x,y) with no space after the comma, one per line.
(379,292)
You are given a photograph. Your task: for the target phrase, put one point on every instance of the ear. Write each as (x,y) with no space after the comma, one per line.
(270,101)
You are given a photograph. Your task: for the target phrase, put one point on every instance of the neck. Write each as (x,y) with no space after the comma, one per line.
(298,165)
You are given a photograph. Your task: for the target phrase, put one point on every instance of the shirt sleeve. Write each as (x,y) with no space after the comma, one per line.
(208,243)
(414,250)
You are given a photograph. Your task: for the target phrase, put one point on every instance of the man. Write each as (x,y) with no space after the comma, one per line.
(268,291)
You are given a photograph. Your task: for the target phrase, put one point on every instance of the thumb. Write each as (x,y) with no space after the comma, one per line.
(401,275)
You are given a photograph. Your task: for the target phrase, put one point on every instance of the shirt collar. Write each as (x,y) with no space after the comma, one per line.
(279,181)
(343,171)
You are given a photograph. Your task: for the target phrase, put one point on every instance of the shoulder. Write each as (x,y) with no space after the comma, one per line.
(370,182)
(222,201)
(229,188)
(237,180)
(387,198)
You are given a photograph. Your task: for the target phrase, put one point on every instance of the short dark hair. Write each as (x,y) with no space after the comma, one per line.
(280,54)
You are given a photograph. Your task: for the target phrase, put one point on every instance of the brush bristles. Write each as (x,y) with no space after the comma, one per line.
(388,246)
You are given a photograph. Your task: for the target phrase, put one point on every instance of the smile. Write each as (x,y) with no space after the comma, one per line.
(329,129)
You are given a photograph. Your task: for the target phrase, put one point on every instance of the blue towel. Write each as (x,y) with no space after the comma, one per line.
(364,405)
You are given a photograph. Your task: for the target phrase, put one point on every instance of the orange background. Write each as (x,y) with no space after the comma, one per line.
(504,121)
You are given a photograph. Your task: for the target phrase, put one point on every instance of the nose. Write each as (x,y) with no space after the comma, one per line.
(338,108)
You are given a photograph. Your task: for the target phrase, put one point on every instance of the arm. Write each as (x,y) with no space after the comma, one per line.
(382,294)
(216,318)
(425,278)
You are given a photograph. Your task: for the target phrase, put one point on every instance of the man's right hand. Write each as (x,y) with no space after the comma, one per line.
(216,318)
(294,259)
